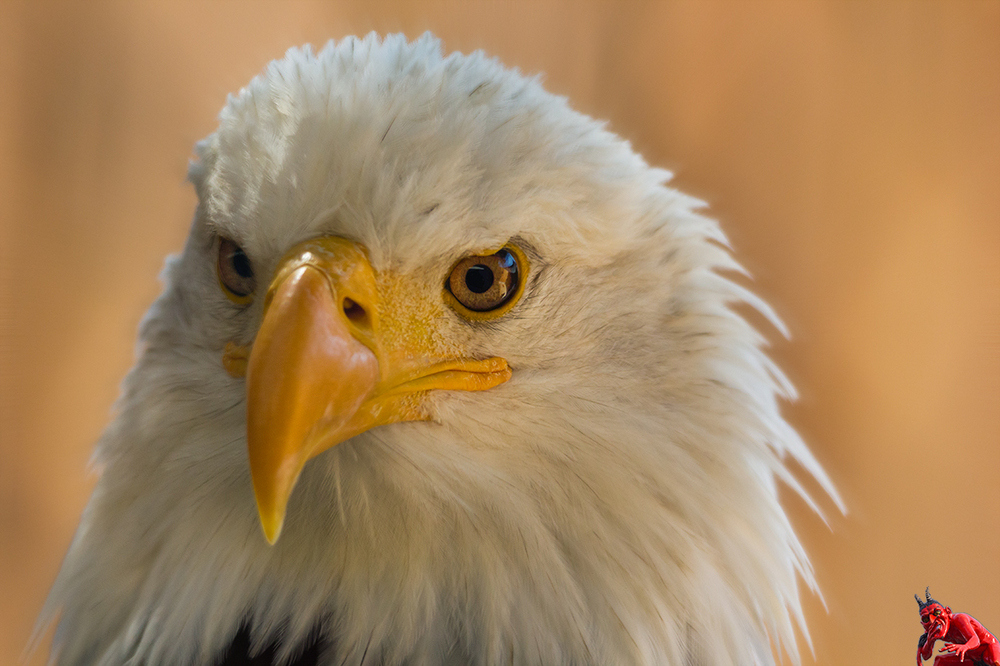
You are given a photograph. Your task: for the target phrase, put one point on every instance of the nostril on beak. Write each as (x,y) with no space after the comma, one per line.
(355,313)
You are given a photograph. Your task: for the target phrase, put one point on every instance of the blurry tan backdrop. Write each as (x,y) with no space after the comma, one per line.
(851,150)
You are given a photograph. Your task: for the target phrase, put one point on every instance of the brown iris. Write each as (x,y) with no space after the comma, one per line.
(485,283)
(235,272)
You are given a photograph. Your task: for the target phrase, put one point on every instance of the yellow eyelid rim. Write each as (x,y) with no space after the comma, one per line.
(235,298)
(231,295)
(523,266)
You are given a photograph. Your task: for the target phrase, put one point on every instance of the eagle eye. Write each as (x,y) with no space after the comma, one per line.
(487,286)
(235,272)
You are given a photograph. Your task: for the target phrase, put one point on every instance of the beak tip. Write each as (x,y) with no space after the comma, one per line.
(272,527)
(271,512)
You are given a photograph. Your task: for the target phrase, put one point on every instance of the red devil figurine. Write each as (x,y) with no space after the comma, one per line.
(962,639)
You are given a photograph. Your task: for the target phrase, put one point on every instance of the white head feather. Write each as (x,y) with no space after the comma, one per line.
(615,502)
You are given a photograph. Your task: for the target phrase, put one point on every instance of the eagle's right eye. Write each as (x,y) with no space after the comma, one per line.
(486,286)
(235,272)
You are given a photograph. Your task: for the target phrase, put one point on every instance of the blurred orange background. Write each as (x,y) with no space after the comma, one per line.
(851,150)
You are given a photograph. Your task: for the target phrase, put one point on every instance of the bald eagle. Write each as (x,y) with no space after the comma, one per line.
(445,374)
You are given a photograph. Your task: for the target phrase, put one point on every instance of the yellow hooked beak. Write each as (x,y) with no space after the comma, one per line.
(323,370)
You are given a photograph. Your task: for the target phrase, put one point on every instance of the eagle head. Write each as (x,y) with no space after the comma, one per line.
(446,373)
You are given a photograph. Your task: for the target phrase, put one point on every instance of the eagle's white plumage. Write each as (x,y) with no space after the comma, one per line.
(615,502)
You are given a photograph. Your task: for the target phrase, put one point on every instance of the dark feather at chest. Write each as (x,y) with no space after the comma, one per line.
(238,651)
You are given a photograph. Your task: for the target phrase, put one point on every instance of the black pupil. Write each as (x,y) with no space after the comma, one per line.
(241,264)
(479,279)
